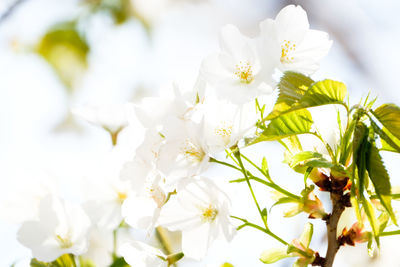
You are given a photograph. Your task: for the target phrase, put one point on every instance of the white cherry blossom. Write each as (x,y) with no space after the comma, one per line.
(113,118)
(61,228)
(183,152)
(201,211)
(225,123)
(301,49)
(173,102)
(142,208)
(236,73)
(139,254)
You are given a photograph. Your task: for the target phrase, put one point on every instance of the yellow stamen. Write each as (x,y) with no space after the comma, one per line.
(287,48)
(244,72)
(209,214)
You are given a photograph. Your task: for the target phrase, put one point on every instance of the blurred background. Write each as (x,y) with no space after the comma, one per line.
(55,55)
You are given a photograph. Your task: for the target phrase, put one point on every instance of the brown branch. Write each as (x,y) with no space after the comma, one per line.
(331,226)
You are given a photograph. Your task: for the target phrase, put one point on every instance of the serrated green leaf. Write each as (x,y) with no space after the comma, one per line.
(292,87)
(388,140)
(293,123)
(361,148)
(307,234)
(389,116)
(324,92)
(273,255)
(380,179)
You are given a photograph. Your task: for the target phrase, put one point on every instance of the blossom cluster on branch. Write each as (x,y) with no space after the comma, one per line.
(162,183)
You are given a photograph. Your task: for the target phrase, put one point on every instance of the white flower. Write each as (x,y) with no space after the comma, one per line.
(104,204)
(104,191)
(139,254)
(142,208)
(183,153)
(112,118)
(147,152)
(100,247)
(201,211)
(301,49)
(237,73)
(153,111)
(61,228)
(22,192)
(224,123)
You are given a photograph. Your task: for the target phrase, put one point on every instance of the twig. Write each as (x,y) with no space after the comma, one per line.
(10,10)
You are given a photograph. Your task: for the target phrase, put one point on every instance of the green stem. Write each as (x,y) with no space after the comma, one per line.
(327,146)
(237,155)
(162,236)
(225,163)
(267,231)
(115,237)
(73,260)
(390,233)
(272,185)
(258,168)
(394,196)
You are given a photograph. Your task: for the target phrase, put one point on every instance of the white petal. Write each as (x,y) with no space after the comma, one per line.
(195,242)
(292,23)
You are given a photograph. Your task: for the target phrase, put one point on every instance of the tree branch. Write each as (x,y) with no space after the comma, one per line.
(331,226)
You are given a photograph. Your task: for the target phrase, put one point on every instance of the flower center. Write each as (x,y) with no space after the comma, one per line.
(287,48)
(244,72)
(121,196)
(225,131)
(191,152)
(209,214)
(64,242)
(157,194)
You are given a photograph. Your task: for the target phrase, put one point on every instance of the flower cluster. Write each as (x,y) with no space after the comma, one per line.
(163,180)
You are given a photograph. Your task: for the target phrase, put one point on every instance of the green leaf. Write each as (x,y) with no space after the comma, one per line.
(361,148)
(66,51)
(383,220)
(293,123)
(389,116)
(264,165)
(380,179)
(119,262)
(36,263)
(307,159)
(174,258)
(283,200)
(323,93)
(264,215)
(370,212)
(292,87)
(273,255)
(307,234)
(388,140)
